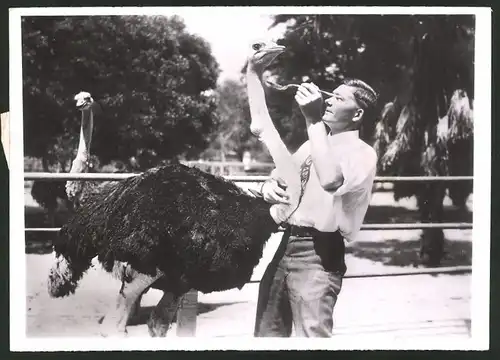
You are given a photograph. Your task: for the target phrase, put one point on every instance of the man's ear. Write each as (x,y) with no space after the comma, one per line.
(358,115)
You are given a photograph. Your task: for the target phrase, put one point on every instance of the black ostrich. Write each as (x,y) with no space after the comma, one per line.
(47,194)
(174,228)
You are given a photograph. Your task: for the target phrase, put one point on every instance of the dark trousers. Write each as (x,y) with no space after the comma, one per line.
(301,285)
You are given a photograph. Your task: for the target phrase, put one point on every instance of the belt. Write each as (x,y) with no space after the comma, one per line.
(302,231)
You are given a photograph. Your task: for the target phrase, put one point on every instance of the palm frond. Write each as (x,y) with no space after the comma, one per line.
(460,146)
(434,160)
(460,117)
(383,133)
(405,133)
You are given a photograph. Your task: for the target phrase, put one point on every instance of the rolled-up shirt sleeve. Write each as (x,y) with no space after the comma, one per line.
(357,169)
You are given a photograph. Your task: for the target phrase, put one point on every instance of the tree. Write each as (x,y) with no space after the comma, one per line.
(150,76)
(416,63)
(439,95)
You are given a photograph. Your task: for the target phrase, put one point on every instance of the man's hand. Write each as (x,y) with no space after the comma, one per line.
(310,102)
(274,193)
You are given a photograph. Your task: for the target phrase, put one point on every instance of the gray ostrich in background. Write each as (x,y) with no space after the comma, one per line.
(77,191)
(172,228)
(47,193)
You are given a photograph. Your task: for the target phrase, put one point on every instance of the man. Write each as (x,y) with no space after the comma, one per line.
(303,281)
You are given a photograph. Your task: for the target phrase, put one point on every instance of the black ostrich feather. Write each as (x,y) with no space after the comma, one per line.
(202,231)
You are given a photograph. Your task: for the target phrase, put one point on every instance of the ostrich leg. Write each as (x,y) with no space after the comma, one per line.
(134,311)
(115,322)
(163,314)
(124,272)
(262,126)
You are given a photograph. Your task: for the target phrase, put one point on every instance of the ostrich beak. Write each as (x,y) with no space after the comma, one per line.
(276,49)
(271,52)
(81,103)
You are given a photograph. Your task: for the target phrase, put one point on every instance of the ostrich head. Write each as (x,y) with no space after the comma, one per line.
(262,54)
(83,101)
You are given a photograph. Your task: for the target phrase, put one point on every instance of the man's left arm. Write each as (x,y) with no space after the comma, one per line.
(326,159)
(340,173)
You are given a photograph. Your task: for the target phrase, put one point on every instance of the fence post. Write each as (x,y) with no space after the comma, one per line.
(186,316)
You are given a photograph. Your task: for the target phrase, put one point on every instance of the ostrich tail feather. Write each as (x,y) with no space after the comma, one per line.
(63,279)
(73,256)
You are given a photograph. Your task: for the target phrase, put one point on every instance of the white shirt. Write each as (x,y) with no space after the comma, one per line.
(345,208)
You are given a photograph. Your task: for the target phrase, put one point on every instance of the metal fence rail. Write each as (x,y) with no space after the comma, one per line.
(188,310)
(403,226)
(424,271)
(253,179)
(235,178)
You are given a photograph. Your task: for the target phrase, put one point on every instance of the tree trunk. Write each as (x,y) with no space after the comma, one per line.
(62,165)
(222,155)
(430,204)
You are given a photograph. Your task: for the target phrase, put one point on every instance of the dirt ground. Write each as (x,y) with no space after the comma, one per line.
(404,306)
(397,307)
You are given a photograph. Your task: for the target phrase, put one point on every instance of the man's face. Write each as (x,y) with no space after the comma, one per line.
(341,107)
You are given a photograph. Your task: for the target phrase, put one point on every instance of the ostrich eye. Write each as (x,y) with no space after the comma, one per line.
(257,46)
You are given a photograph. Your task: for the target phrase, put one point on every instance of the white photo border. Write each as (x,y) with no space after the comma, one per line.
(481,215)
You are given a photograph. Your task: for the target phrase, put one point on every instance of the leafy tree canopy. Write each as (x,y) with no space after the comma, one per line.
(151,77)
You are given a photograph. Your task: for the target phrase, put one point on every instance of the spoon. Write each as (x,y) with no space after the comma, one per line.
(289,86)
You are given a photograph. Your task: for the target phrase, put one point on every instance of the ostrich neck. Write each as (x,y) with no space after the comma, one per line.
(262,126)
(75,189)
(83,153)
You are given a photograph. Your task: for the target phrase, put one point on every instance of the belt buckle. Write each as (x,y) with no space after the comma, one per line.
(301,231)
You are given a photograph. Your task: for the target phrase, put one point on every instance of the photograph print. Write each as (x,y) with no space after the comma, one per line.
(230,176)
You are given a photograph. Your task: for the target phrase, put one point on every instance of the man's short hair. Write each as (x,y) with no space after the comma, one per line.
(364,94)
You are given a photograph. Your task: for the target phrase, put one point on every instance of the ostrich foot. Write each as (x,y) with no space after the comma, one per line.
(112,332)
(163,314)
(134,316)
